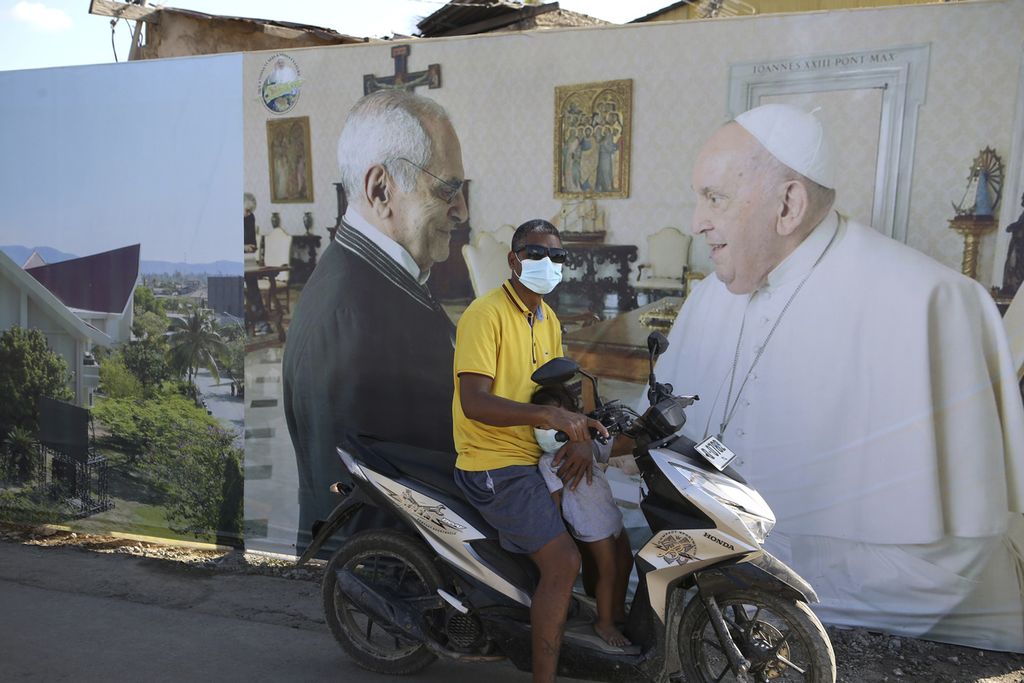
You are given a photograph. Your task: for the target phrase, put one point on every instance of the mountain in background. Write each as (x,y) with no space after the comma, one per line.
(20,254)
(215,268)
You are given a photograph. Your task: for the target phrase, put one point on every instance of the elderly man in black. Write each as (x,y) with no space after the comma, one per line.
(369,349)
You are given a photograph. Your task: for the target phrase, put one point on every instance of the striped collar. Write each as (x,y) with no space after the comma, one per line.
(354,241)
(510,292)
(386,244)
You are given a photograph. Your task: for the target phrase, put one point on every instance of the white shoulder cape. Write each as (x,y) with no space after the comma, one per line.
(884,408)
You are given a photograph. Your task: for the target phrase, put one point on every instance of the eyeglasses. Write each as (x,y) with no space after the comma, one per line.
(535,252)
(449,189)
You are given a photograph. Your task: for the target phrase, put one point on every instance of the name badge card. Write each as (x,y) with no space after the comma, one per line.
(715,452)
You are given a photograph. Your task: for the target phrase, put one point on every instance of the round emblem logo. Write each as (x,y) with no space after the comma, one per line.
(280,83)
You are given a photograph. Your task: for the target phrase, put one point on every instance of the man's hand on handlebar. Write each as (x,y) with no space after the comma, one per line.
(576,426)
(577,462)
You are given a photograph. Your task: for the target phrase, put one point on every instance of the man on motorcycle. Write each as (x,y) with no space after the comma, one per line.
(502,338)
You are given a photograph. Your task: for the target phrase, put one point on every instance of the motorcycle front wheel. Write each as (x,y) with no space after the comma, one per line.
(781,637)
(398,563)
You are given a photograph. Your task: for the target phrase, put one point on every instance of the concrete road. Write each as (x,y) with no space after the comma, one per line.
(74,615)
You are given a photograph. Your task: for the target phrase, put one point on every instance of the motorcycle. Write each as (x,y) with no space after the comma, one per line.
(710,603)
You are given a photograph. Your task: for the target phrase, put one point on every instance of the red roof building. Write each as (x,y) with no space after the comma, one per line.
(99,288)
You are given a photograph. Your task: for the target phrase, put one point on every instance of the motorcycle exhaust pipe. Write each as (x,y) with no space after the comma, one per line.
(384,606)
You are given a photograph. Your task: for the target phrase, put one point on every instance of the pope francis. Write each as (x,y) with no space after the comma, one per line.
(866,389)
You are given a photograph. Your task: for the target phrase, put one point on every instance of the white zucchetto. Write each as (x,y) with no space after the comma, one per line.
(794,137)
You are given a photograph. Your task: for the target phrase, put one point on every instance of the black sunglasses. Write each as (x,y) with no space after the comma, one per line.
(535,252)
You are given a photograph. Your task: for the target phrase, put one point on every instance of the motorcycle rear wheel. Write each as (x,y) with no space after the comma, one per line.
(398,562)
(781,637)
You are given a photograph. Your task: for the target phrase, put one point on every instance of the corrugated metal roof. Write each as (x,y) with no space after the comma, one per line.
(456,16)
(319,31)
(657,13)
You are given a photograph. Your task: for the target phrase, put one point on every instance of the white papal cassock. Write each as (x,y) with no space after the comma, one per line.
(883,424)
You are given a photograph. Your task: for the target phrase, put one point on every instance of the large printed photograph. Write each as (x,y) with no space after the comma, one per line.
(355,299)
(121,324)
(688,348)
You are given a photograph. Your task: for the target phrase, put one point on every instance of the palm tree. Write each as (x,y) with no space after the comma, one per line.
(21,451)
(194,343)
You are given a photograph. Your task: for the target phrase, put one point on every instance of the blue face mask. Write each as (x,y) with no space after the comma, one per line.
(540,276)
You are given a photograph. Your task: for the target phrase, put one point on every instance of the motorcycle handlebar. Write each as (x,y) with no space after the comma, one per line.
(562,437)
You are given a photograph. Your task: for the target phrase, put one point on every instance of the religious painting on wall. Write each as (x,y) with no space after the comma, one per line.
(591,143)
(291,163)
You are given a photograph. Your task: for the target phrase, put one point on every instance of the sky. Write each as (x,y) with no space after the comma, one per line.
(90,176)
(47,33)
(85,171)
(100,157)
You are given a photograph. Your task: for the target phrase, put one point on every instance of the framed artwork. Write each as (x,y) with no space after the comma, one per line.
(592,128)
(291,163)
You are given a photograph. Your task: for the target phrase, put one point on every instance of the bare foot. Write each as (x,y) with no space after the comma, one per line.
(611,635)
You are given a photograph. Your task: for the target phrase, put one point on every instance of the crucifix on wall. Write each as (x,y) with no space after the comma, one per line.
(402,79)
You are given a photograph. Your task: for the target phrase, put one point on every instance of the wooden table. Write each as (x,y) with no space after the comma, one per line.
(617,348)
(259,309)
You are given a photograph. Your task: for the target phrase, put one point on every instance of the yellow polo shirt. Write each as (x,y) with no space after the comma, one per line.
(500,338)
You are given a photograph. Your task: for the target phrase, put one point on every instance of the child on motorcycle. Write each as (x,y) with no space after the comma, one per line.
(594,520)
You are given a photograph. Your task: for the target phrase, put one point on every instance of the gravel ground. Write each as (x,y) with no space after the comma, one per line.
(862,656)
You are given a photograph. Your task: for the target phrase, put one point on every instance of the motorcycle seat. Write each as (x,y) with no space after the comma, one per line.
(434,468)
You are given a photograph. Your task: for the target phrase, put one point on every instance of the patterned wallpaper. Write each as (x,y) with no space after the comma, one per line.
(499,90)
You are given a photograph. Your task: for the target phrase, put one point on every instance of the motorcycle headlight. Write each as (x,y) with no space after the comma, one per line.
(730,494)
(759,527)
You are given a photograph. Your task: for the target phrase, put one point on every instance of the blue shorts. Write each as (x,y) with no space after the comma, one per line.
(515,501)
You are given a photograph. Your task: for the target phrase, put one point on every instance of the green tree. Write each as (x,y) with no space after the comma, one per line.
(186,455)
(194,344)
(150,326)
(232,331)
(146,302)
(233,362)
(21,453)
(147,360)
(200,470)
(116,380)
(28,369)
(136,427)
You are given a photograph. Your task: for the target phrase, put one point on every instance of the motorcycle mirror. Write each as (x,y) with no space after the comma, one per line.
(555,371)
(657,343)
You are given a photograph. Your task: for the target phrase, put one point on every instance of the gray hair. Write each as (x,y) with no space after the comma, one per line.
(249,201)
(380,128)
